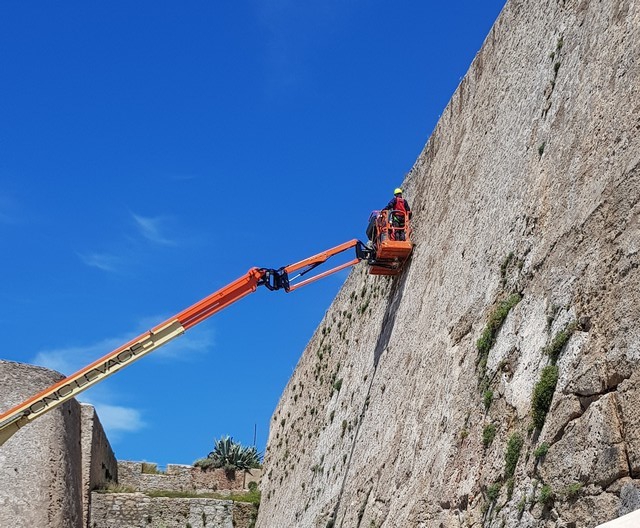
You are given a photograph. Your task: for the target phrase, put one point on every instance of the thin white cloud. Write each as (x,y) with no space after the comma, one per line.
(68,360)
(102,261)
(117,420)
(151,228)
(189,346)
(185,347)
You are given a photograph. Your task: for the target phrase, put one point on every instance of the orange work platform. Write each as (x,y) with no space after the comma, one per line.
(392,243)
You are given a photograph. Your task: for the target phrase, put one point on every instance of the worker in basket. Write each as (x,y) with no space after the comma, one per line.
(399,211)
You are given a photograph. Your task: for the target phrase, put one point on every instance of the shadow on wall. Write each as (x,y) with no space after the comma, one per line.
(389,319)
(388,322)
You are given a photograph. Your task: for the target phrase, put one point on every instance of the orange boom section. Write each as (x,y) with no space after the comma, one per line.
(272,279)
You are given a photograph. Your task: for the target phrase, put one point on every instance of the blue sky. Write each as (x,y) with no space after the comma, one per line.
(151,152)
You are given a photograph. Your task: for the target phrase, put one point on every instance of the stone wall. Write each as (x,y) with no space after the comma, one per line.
(184,478)
(135,510)
(529,184)
(40,465)
(99,465)
(49,467)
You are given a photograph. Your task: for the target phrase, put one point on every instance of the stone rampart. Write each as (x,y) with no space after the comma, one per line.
(99,464)
(49,467)
(133,510)
(183,478)
(40,464)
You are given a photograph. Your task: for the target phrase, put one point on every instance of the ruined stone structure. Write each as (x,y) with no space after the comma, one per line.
(135,510)
(132,510)
(423,401)
(184,478)
(49,467)
(99,465)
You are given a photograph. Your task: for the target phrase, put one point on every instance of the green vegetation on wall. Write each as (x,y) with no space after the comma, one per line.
(559,341)
(494,323)
(493,491)
(488,434)
(546,495)
(512,455)
(543,394)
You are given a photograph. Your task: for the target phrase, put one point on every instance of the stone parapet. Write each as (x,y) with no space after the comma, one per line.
(184,478)
(132,510)
(40,465)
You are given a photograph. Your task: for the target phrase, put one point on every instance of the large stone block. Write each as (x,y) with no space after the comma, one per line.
(591,449)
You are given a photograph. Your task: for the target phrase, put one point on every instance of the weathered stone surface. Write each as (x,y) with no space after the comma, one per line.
(591,449)
(629,498)
(629,402)
(40,465)
(590,511)
(244,515)
(630,520)
(99,465)
(536,155)
(563,411)
(49,467)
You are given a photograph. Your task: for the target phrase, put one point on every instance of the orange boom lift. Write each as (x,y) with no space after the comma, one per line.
(386,258)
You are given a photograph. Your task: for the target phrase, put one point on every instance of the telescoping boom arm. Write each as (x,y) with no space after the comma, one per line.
(71,386)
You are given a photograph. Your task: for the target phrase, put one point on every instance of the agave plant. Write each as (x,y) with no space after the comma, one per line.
(230,455)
